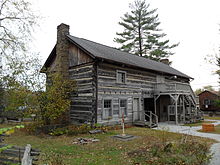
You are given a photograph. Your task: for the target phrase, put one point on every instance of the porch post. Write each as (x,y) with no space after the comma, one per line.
(184,110)
(190,110)
(176,99)
(155,104)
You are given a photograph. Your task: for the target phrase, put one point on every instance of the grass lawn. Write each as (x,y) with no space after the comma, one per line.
(151,147)
(198,123)
(212,118)
(217,130)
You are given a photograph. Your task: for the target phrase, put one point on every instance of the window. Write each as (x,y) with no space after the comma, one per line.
(123,106)
(107,109)
(207,102)
(171,109)
(121,77)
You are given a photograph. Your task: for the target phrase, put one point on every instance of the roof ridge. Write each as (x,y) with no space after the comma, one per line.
(119,50)
(107,52)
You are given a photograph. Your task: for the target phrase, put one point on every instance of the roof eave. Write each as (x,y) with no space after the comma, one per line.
(49,60)
(187,77)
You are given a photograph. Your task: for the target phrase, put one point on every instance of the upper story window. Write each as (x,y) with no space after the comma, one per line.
(121,77)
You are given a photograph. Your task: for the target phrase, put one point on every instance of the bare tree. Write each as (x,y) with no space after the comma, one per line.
(17,21)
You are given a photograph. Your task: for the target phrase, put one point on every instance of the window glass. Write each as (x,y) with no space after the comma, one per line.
(123,106)
(120,77)
(107,109)
(207,102)
(107,103)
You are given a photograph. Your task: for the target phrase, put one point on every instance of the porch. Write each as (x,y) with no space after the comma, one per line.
(171,102)
(176,102)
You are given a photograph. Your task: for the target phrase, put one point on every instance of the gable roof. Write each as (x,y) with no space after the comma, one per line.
(105,52)
(212,92)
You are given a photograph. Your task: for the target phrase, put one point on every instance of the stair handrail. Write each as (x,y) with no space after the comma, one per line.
(156,117)
(149,116)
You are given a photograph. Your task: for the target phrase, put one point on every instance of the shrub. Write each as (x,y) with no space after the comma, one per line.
(177,153)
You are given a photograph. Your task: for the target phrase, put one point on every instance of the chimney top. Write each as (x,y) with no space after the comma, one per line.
(63,25)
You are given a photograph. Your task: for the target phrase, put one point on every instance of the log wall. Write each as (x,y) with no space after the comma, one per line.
(139,84)
(83,105)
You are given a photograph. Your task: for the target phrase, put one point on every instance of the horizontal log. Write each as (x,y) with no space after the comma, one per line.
(85,84)
(117,94)
(127,85)
(82,102)
(85,91)
(84,117)
(137,75)
(81,73)
(87,108)
(84,81)
(106,66)
(80,118)
(81,106)
(108,73)
(84,75)
(86,94)
(83,65)
(119,90)
(139,81)
(85,88)
(79,112)
(82,99)
(107,78)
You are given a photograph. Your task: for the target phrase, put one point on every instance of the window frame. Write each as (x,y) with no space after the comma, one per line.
(110,115)
(208,101)
(117,76)
(126,107)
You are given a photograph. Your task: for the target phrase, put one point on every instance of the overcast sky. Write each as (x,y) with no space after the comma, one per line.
(193,23)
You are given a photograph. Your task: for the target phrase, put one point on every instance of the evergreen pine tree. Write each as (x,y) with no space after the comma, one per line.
(141,35)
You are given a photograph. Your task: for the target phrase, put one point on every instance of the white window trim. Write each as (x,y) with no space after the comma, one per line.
(109,117)
(120,113)
(121,71)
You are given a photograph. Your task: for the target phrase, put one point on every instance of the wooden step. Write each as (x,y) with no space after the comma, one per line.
(144,124)
(140,123)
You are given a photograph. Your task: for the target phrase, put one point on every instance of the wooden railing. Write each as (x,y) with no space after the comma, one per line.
(175,88)
(27,159)
(18,155)
(166,87)
(153,118)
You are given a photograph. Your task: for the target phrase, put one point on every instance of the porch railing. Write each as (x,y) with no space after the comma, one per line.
(175,87)
(153,118)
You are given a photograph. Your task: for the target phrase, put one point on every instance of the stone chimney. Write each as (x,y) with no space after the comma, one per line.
(165,61)
(62,50)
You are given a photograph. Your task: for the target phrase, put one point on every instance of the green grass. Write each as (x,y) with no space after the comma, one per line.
(198,123)
(212,118)
(151,147)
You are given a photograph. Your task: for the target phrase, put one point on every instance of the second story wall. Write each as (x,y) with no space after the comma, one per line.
(119,86)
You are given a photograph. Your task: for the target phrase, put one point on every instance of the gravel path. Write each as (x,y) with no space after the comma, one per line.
(215,148)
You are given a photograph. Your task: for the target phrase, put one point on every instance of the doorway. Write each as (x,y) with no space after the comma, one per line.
(136,109)
(149,104)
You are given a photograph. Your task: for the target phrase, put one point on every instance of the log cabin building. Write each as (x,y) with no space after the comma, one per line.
(111,83)
(207,101)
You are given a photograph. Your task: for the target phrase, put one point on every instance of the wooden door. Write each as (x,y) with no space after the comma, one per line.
(136,109)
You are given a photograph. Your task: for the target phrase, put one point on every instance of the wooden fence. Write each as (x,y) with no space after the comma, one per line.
(18,155)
